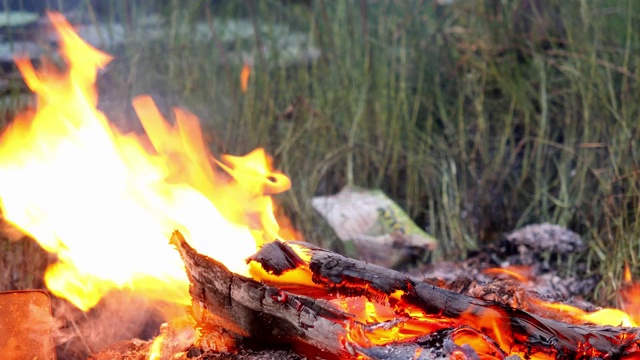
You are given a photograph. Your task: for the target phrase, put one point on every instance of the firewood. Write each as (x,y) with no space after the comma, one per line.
(237,310)
(244,311)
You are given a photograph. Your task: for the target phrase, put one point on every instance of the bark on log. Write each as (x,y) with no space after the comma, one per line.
(240,311)
(245,311)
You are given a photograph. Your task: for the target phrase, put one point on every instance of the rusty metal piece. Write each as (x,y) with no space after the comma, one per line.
(25,325)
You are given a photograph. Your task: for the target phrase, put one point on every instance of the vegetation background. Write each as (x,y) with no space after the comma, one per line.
(477,117)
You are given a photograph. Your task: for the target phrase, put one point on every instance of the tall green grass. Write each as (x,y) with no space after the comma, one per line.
(474,124)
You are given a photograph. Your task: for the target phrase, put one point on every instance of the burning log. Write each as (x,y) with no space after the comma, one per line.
(410,320)
(235,309)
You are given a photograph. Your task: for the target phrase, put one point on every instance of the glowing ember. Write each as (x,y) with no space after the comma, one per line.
(106,204)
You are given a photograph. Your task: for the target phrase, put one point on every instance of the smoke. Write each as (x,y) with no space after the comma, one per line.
(120,316)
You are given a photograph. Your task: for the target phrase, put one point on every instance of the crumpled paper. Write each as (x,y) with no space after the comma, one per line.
(380,229)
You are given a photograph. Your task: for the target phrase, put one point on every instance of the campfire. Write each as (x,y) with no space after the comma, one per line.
(156,214)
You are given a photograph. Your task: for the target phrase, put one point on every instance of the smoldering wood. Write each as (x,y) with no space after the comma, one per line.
(570,341)
(241,308)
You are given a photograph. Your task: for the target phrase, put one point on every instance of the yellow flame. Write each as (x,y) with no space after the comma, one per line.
(106,203)
(155,350)
(606,316)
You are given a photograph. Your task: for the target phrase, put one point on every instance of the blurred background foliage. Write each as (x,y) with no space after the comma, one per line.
(477,117)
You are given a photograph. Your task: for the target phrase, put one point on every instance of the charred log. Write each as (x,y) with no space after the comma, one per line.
(243,311)
(235,310)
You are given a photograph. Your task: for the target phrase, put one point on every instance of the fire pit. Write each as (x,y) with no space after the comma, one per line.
(200,234)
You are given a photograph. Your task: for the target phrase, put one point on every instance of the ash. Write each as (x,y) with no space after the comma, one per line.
(546,237)
(540,251)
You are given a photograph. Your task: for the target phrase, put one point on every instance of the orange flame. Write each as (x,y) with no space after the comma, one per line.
(106,204)
(629,294)
(627,274)
(245,73)
(520,273)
